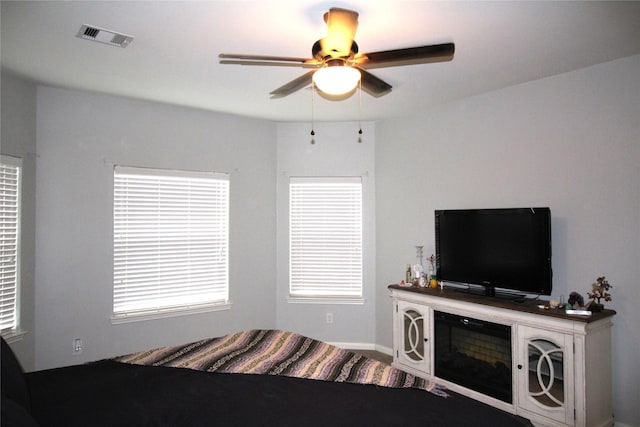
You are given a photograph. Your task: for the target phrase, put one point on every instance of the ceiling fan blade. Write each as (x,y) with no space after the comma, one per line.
(373,85)
(270,63)
(293,86)
(408,56)
(267,58)
(341,30)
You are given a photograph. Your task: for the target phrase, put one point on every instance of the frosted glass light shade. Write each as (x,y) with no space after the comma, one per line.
(336,80)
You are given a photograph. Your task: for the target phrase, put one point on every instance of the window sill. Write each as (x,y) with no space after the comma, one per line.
(164,314)
(13,335)
(325,300)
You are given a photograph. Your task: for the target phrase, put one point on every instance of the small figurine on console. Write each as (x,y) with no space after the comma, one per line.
(599,291)
(576,301)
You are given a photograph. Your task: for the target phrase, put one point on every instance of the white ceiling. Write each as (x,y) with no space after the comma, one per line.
(174,55)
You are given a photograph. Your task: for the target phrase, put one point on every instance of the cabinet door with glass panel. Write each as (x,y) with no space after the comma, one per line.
(545,370)
(411,335)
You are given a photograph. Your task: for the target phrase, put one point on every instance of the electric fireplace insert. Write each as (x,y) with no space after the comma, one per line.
(475,354)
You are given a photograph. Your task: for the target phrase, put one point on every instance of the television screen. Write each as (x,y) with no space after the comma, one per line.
(495,248)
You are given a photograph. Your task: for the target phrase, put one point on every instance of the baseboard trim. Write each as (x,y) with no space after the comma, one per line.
(383,349)
(354,345)
(363,346)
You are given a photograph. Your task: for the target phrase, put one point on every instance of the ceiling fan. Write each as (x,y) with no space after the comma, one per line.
(338,52)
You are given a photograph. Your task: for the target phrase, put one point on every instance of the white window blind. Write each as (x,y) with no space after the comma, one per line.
(10,171)
(325,233)
(171,232)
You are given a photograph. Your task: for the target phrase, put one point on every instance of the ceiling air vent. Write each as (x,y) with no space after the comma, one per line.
(89,32)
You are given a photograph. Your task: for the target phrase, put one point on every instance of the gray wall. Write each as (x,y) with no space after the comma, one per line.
(81,136)
(18,139)
(571,142)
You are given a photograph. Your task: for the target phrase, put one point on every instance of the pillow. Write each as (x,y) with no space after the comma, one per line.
(14,385)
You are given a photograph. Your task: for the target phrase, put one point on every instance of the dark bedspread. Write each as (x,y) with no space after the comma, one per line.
(109,393)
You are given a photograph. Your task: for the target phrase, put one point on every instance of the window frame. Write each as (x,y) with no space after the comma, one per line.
(218,219)
(14,329)
(354,297)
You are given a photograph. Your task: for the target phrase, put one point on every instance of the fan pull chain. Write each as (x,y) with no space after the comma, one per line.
(360,111)
(313,132)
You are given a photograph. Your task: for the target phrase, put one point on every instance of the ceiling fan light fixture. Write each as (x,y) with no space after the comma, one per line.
(336,80)
(338,53)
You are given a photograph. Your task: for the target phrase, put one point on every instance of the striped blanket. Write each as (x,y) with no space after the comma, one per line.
(274,352)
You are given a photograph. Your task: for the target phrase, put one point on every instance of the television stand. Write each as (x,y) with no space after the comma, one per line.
(490,291)
(547,352)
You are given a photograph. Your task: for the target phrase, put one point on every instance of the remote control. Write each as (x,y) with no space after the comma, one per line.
(579,312)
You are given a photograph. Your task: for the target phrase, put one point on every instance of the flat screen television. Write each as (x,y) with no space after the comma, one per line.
(508,249)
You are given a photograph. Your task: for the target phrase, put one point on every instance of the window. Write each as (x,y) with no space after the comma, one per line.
(325,238)
(170,241)
(10,180)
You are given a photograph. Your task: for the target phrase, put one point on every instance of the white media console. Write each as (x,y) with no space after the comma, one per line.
(540,363)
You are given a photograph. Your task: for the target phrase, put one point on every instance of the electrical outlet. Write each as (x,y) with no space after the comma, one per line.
(329,317)
(78,346)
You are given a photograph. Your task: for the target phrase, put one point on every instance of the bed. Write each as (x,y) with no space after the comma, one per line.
(256,378)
